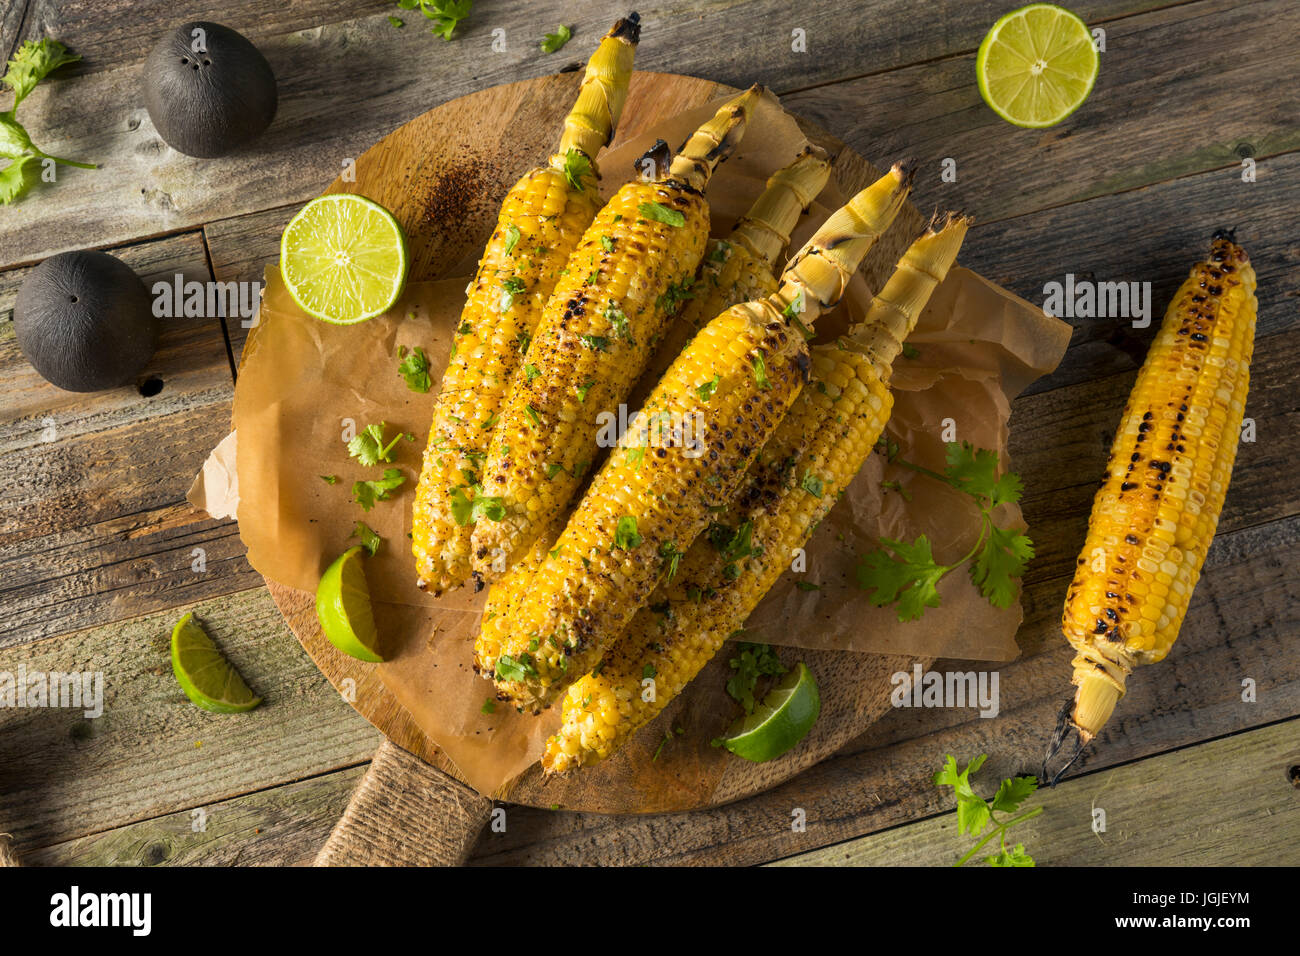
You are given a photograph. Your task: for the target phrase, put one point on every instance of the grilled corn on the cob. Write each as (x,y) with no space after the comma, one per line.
(623,282)
(653,495)
(737,269)
(794,482)
(1154,517)
(541,220)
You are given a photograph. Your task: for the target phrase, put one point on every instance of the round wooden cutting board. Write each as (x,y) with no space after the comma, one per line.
(443,175)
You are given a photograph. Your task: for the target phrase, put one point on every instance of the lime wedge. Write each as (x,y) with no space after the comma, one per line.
(343,607)
(780,721)
(1037,65)
(207,678)
(343,258)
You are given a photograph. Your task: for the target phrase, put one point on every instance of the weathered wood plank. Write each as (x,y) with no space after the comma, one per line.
(152,751)
(1168,102)
(191,362)
(1243,622)
(93,521)
(282,826)
(344,85)
(1148,235)
(1165,811)
(702,37)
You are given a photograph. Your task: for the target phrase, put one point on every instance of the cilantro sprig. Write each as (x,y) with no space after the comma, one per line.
(446,14)
(554,41)
(414,367)
(753,661)
(33,62)
(370,539)
(577,166)
(366,493)
(368,445)
(908,574)
(975,815)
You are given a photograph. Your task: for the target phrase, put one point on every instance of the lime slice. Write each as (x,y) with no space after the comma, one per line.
(343,258)
(1037,65)
(204,674)
(343,607)
(780,721)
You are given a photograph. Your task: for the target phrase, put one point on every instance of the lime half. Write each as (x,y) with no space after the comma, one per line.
(1037,65)
(780,721)
(343,258)
(204,674)
(343,607)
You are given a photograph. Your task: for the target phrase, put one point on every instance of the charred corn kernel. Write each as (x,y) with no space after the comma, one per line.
(1156,514)
(541,220)
(685,452)
(726,573)
(621,284)
(738,269)
(797,477)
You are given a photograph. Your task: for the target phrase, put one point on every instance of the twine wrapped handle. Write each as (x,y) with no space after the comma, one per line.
(406,813)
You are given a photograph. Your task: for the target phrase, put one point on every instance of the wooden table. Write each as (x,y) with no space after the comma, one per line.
(100,553)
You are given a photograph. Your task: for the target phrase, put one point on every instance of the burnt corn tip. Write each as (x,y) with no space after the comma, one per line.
(1229,234)
(660,155)
(628,28)
(1065,728)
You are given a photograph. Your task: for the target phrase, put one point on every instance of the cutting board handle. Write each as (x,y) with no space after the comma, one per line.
(406,813)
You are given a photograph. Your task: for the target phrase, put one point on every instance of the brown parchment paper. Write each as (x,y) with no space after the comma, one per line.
(302,382)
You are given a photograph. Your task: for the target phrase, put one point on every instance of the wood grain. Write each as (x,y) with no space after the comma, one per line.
(280,826)
(1166,811)
(1133,131)
(63,776)
(343,85)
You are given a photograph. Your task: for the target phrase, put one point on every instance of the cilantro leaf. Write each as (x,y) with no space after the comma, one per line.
(33,62)
(18,177)
(626,535)
(465,509)
(753,662)
(369,539)
(706,390)
(368,446)
(972,811)
(760,372)
(811,484)
(661,213)
(512,238)
(672,558)
(366,493)
(1013,857)
(577,167)
(1001,561)
(414,367)
(910,576)
(1013,792)
(972,470)
(446,14)
(509,289)
(514,670)
(554,41)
